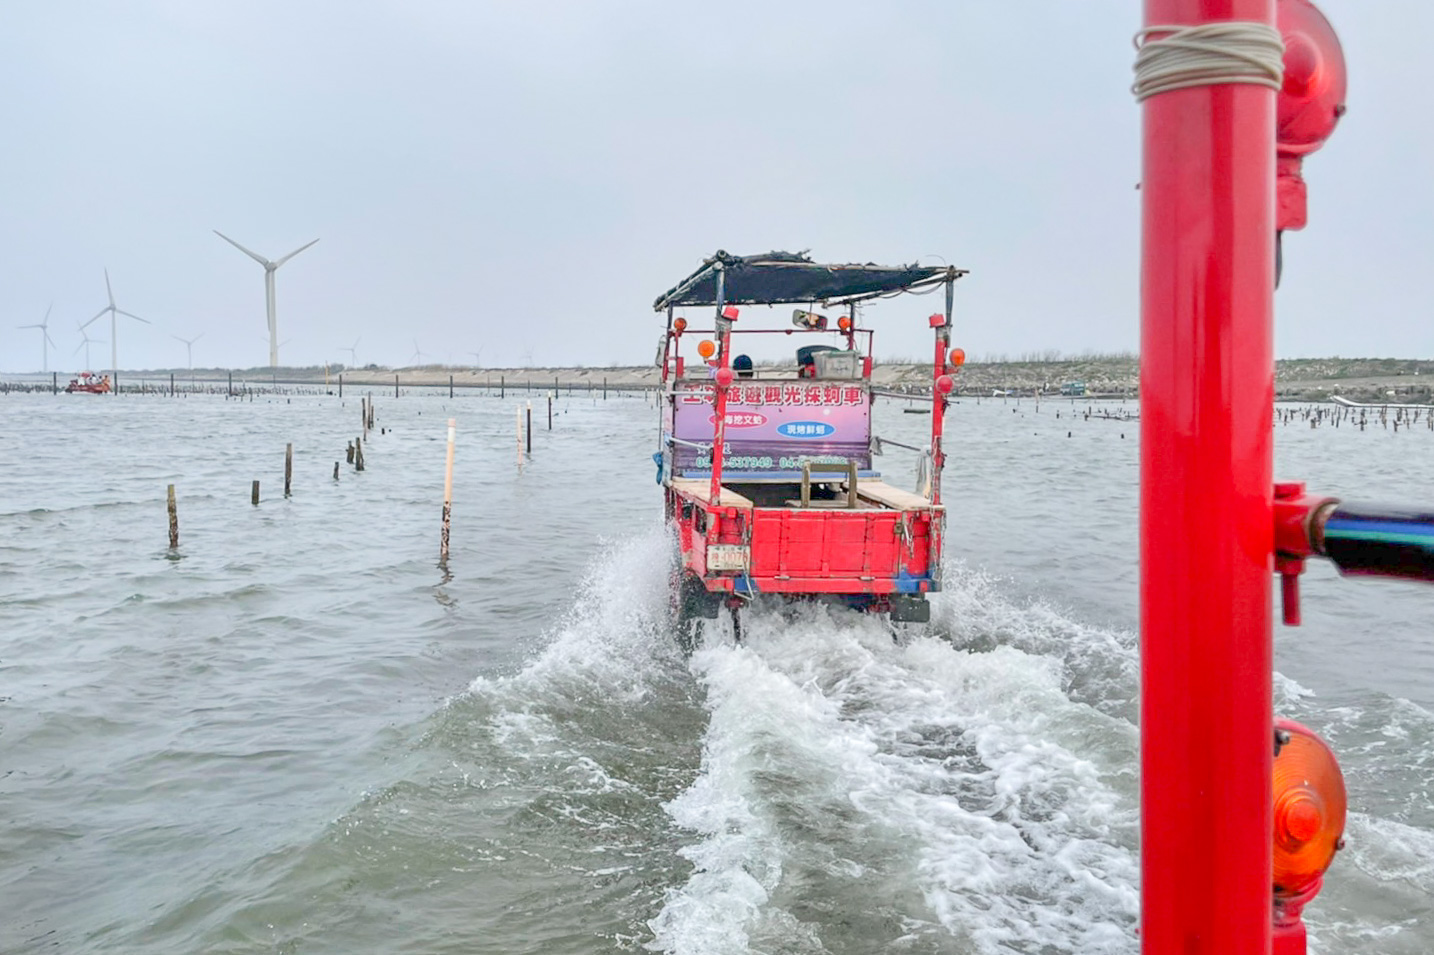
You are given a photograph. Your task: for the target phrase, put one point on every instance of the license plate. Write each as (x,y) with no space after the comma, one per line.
(726,557)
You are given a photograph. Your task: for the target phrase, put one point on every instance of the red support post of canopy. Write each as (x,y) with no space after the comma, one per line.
(722,379)
(1207,392)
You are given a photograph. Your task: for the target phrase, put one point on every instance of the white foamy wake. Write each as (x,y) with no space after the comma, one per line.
(1391,851)
(613,638)
(858,794)
(608,689)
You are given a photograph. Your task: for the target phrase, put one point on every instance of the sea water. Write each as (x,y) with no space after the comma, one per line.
(298,733)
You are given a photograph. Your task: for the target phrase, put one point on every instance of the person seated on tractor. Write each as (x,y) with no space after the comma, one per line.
(742,365)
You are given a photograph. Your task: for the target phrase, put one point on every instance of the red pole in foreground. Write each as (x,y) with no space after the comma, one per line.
(1207,392)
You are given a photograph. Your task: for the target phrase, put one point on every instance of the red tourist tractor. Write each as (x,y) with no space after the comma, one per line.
(766,469)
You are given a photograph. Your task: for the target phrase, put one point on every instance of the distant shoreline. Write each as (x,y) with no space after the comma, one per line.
(1393,380)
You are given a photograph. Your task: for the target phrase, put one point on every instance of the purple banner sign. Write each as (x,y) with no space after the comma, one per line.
(775,426)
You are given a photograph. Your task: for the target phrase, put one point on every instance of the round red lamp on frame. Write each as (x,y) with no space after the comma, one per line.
(1310,103)
(1310,807)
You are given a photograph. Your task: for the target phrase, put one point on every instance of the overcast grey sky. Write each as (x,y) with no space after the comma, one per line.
(525,178)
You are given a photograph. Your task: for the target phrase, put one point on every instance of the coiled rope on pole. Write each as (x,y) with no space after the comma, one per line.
(1232,51)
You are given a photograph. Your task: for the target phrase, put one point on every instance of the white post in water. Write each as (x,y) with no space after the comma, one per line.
(447,491)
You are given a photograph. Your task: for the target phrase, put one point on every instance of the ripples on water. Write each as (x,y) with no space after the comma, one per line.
(298,735)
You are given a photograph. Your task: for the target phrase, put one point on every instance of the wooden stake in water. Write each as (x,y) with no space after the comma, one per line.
(395,386)
(363,411)
(447,491)
(173,521)
(254,495)
(341,385)
(336,470)
(288,467)
(358,454)
(520,439)
(550,412)
(530,428)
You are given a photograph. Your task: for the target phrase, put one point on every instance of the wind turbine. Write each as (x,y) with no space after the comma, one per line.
(114,310)
(353,352)
(189,347)
(269,269)
(417,355)
(45,340)
(283,344)
(86,345)
(477,358)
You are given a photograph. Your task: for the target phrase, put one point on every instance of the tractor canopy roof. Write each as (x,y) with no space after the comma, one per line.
(779,278)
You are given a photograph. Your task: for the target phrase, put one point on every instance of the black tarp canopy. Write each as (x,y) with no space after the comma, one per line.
(784,278)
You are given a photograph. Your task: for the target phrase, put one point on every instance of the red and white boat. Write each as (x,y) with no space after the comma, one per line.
(89,383)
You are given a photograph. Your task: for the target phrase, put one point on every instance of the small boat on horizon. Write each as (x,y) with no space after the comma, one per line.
(88,383)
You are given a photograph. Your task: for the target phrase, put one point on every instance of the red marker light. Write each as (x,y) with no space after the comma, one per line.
(724,376)
(1310,103)
(958,357)
(944,384)
(1310,806)
(705,348)
(844,323)
(730,313)
(679,325)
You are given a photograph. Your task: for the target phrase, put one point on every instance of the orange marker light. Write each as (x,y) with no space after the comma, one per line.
(1309,810)
(705,348)
(844,323)
(679,325)
(958,357)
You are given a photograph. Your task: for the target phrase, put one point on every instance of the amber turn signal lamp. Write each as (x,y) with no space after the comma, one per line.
(679,325)
(958,357)
(1309,809)
(705,348)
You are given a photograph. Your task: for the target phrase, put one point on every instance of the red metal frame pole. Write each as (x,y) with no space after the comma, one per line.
(938,415)
(1207,391)
(719,397)
(941,323)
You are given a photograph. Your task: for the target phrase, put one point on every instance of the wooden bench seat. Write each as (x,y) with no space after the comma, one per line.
(701,488)
(882,493)
(868,493)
